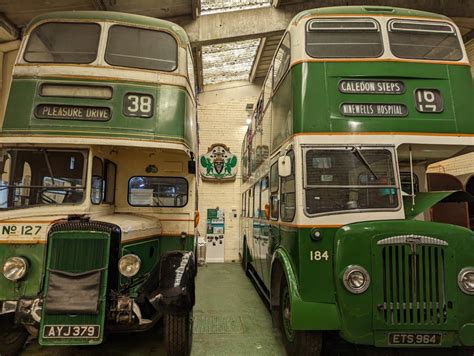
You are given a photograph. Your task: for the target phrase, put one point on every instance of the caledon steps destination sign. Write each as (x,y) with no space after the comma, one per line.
(390,87)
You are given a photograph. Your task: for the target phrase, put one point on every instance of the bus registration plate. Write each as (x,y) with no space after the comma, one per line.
(414,339)
(71,331)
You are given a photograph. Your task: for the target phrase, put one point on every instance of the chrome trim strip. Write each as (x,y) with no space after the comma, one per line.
(412,239)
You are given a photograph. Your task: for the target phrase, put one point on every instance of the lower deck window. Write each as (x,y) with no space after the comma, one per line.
(33,177)
(349,178)
(158,191)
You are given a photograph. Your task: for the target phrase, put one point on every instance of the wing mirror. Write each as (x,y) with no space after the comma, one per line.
(284,166)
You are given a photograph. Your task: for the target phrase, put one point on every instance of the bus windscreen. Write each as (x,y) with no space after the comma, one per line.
(63,43)
(424,40)
(141,48)
(349,38)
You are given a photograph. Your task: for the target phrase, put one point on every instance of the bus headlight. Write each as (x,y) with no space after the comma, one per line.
(129,265)
(466,280)
(356,279)
(15,268)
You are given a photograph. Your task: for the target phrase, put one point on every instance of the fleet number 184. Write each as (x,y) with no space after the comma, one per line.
(318,255)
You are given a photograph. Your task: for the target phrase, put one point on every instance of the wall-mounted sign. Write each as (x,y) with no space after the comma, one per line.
(356,86)
(348,109)
(70,112)
(218,163)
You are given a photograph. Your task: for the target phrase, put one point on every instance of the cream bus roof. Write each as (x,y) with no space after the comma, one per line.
(367,10)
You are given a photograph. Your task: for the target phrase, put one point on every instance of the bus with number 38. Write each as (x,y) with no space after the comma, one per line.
(350,238)
(98,184)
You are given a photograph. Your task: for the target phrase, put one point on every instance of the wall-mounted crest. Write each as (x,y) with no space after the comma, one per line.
(218,164)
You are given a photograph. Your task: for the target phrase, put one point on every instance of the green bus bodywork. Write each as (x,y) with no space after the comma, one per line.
(414,288)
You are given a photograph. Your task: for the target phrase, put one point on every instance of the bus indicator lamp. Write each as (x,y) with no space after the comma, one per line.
(466,280)
(356,279)
(129,265)
(15,268)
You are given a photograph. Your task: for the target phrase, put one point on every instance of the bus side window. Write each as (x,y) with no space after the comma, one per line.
(287,193)
(110,179)
(97,191)
(256,201)
(250,200)
(264,206)
(274,213)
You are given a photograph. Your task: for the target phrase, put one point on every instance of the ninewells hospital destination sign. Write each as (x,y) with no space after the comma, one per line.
(218,164)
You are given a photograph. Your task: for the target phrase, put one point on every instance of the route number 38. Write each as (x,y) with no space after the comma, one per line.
(140,105)
(318,255)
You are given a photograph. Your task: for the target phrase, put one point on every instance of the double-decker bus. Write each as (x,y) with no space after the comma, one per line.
(347,237)
(98,187)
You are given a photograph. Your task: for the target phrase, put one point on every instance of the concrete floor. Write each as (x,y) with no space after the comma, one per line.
(230,319)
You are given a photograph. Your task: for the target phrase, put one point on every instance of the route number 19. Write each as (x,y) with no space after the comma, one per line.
(428,100)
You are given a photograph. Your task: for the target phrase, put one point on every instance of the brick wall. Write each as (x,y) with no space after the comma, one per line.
(455,166)
(222,119)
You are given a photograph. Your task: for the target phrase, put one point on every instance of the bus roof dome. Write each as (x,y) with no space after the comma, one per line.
(121,17)
(367,10)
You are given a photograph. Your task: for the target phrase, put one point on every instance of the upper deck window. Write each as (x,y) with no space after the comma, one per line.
(63,43)
(343,38)
(141,48)
(424,40)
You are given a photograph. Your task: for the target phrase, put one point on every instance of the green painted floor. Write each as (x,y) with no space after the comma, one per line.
(230,319)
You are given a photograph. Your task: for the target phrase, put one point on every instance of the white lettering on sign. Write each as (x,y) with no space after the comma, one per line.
(373,109)
(371,87)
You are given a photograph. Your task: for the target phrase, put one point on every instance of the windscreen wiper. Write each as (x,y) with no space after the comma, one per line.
(48,164)
(361,158)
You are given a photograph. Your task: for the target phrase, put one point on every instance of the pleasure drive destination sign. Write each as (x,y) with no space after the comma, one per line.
(352,86)
(64,112)
(350,109)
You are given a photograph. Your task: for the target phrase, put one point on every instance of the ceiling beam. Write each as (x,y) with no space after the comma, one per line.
(468,36)
(100,5)
(257,58)
(196,8)
(8,30)
(266,21)
(197,54)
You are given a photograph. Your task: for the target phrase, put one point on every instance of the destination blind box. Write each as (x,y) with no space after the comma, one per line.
(73,112)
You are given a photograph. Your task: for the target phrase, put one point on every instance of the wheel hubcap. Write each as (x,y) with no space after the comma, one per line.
(286,311)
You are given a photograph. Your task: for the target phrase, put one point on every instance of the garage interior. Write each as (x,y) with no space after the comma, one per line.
(233,43)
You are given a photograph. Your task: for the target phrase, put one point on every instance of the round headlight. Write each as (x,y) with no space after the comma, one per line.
(129,265)
(15,268)
(356,279)
(466,280)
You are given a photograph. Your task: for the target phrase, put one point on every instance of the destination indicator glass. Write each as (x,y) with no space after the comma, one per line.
(70,112)
(351,86)
(391,110)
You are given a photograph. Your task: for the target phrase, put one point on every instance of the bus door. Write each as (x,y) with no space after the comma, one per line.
(274,230)
(256,227)
(265,229)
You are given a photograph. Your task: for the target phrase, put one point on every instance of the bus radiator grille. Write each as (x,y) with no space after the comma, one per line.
(414,285)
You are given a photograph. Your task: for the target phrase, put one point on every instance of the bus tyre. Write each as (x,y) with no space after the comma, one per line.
(12,337)
(297,342)
(178,334)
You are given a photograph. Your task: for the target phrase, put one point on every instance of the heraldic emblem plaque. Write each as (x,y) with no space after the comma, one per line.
(218,164)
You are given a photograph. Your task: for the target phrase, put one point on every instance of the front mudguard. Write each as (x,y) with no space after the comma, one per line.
(170,288)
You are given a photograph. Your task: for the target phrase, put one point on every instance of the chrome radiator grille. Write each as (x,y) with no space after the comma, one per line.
(414,282)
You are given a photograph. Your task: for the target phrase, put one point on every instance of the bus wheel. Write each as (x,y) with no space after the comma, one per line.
(297,342)
(178,334)
(12,337)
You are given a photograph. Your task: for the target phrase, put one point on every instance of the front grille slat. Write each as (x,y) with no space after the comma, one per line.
(414,287)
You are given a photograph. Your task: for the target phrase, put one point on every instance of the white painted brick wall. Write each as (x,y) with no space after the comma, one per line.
(222,119)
